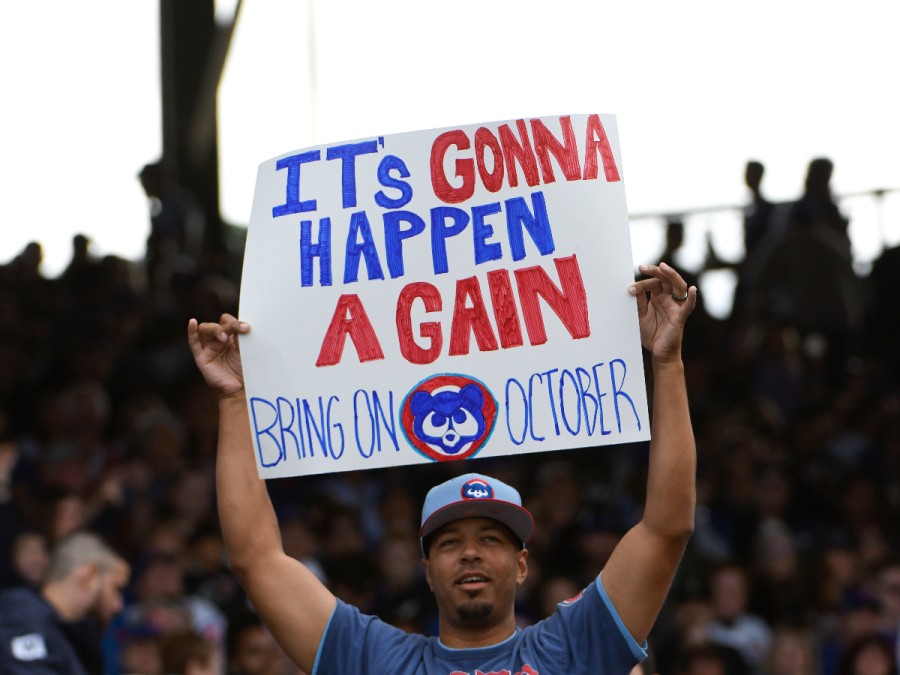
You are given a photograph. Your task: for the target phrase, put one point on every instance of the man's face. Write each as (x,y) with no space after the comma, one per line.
(112,581)
(473,568)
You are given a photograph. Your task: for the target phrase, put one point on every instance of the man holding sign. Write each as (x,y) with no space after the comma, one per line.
(474,532)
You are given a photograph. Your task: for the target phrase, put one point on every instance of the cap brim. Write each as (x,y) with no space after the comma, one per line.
(515,517)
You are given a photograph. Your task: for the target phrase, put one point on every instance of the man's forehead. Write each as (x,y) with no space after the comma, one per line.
(478,523)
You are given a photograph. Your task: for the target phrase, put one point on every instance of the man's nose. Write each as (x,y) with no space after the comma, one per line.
(471,550)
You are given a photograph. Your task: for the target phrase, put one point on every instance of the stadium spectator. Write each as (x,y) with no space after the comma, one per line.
(56,629)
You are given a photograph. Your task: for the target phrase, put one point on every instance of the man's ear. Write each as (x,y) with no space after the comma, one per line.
(522,565)
(86,572)
(87,578)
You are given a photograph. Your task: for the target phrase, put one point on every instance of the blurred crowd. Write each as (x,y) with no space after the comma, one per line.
(794,567)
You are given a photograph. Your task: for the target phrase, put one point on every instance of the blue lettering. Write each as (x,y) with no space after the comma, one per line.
(388,164)
(445,222)
(377,418)
(482,231)
(538,225)
(577,399)
(264,436)
(337,425)
(311,427)
(549,374)
(603,430)
(356,411)
(440,231)
(347,154)
(286,428)
(584,388)
(389,420)
(394,236)
(562,401)
(272,445)
(292,202)
(617,392)
(320,249)
(359,225)
(517,441)
(531,405)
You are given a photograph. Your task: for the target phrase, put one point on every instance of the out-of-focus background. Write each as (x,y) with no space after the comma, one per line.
(761,156)
(698,88)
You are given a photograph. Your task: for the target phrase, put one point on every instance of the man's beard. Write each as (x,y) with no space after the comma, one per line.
(474,611)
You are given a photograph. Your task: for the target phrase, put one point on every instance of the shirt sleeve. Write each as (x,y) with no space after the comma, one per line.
(586,635)
(638,651)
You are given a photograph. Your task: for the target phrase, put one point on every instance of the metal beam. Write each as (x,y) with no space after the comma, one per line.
(190,52)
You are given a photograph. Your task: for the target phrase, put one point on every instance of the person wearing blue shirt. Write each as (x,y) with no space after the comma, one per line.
(474,533)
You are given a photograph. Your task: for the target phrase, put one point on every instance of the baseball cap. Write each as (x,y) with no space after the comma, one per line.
(474,495)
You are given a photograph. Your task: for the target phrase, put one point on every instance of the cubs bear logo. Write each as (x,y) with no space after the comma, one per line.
(448,417)
(477,489)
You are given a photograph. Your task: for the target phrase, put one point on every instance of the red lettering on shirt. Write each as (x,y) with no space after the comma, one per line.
(526,670)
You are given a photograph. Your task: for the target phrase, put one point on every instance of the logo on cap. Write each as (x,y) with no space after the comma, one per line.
(477,489)
(448,417)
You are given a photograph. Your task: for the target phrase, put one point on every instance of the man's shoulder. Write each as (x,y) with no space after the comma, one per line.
(353,637)
(22,607)
(347,615)
(29,632)
(21,596)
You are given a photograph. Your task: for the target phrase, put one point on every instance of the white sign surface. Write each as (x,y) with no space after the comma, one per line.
(441,295)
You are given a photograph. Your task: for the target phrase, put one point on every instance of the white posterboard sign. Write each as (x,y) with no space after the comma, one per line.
(441,295)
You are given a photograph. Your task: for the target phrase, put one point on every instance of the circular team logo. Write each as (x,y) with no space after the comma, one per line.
(448,417)
(477,488)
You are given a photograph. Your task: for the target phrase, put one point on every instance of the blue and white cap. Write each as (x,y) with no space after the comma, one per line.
(473,495)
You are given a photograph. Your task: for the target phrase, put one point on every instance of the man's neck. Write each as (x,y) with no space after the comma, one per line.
(59,601)
(455,636)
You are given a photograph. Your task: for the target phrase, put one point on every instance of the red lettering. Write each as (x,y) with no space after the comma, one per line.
(471,315)
(518,149)
(468,320)
(526,670)
(566,154)
(512,151)
(431,330)
(492,180)
(349,318)
(505,313)
(464,168)
(597,141)
(569,301)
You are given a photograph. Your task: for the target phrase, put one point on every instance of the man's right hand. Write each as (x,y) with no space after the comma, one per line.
(217,354)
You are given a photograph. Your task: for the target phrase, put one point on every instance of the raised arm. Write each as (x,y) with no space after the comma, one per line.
(639,573)
(293,603)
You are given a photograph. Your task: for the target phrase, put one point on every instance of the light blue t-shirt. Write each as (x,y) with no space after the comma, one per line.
(585,635)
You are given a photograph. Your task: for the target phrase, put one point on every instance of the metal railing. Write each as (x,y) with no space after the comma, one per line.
(874,217)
